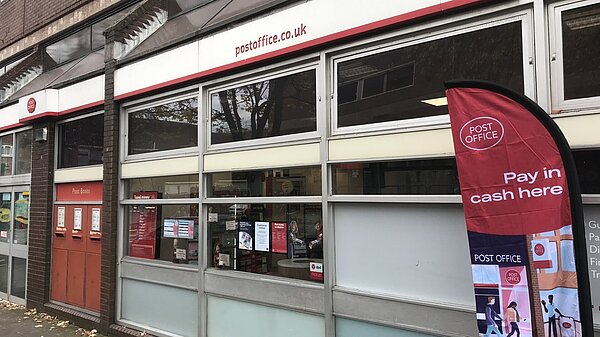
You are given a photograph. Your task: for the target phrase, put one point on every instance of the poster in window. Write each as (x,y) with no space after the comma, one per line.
(185,229)
(261,232)
(246,235)
(521,199)
(169,228)
(279,237)
(142,227)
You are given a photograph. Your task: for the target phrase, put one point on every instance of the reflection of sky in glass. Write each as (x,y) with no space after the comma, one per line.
(71,47)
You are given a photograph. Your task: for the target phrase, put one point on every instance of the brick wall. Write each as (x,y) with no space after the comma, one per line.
(22,17)
(40,218)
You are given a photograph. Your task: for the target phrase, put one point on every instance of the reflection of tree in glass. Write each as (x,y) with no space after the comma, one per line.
(258,110)
(184,111)
(163,127)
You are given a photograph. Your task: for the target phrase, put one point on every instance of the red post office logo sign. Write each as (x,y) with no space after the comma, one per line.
(481,133)
(31,104)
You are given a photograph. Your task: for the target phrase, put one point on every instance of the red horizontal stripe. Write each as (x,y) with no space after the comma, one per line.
(308,44)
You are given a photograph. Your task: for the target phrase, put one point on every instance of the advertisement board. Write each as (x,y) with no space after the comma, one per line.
(523,214)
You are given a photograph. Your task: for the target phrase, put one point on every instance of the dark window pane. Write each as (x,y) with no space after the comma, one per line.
(163,232)
(71,47)
(273,239)
(81,142)
(172,187)
(23,155)
(417,73)
(269,183)
(280,106)
(6,155)
(581,31)
(588,169)
(347,92)
(3,273)
(164,127)
(419,177)
(17,280)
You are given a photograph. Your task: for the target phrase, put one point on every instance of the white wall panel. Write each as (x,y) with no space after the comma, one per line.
(404,250)
(81,93)
(295,155)
(163,167)
(88,173)
(163,67)
(234,318)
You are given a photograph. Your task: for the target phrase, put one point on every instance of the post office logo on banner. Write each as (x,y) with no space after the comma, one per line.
(481,133)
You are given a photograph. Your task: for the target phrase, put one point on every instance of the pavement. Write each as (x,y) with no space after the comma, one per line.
(16,321)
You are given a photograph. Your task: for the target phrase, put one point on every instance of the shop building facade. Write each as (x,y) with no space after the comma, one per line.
(211,168)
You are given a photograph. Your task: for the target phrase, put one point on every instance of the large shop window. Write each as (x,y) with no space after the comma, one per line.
(414,177)
(15,156)
(81,142)
(266,238)
(167,126)
(273,107)
(408,82)
(161,230)
(578,33)
(15,210)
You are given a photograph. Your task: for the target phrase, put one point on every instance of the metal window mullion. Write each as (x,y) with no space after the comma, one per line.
(264,200)
(159,201)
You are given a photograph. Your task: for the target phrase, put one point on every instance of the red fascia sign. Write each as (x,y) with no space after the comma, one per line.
(90,191)
(521,198)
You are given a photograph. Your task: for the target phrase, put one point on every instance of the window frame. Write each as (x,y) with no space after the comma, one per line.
(402,40)
(13,176)
(555,12)
(138,105)
(280,70)
(58,139)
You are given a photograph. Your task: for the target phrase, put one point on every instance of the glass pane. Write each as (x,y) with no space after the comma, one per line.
(69,48)
(81,142)
(3,273)
(23,154)
(185,186)
(416,177)
(5,217)
(164,232)
(273,239)
(396,84)
(17,280)
(6,156)
(580,32)
(588,169)
(280,106)
(175,7)
(21,220)
(164,127)
(268,183)
(99,28)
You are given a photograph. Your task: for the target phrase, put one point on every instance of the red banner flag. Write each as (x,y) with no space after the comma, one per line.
(523,213)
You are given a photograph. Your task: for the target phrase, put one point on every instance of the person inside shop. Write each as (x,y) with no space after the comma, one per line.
(551,310)
(316,246)
(512,318)
(490,316)
(293,241)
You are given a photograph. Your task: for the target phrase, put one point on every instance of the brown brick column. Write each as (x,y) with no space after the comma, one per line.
(110,199)
(40,218)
